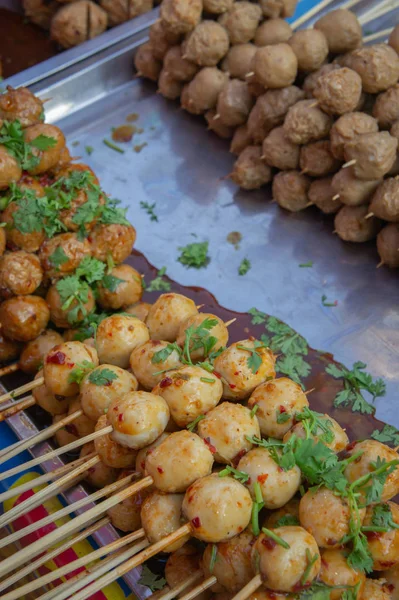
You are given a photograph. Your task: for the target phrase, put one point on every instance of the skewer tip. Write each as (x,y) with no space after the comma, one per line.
(350,163)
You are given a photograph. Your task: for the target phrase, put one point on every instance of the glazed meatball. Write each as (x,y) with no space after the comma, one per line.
(143,452)
(241,139)
(74,313)
(178,67)
(148,365)
(139,310)
(278,8)
(100,475)
(81,426)
(377,65)
(385,201)
(126,515)
(234,103)
(13,215)
(376,590)
(388,245)
(342,30)
(306,123)
(9,350)
(290,190)
(311,80)
(146,64)
(374,153)
(102,385)
(178,461)
(60,362)
(283,568)
(310,47)
(249,171)
(218,331)
(352,226)
(10,171)
(112,240)
(331,434)
(338,92)
(78,192)
(394,39)
(317,160)
(63,436)
(270,110)
(216,125)
(226,428)
(321,195)
(238,60)
(347,128)
(273,31)
(203,91)
(111,453)
(20,274)
(74,249)
(386,107)
(291,509)
(161,514)
(207,44)
(23,318)
(217,507)
(275,66)
(21,104)
(47,401)
(33,353)
(121,287)
(392,577)
(279,152)
(46,158)
(274,398)
(167,314)
(383,546)
(350,190)
(336,571)
(168,87)
(161,40)
(117,337)
(179,16)
(241,22)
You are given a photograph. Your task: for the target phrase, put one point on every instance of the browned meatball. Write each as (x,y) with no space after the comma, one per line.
(290,190)
(279,152)
(378,67)
(316,159)
(306,123)
(342,30)
(168,87)
(310,47)
(347,128)
(321,194)
(388,245)
(385,202)
(241,139)
(77,22)
(351,190)
(74,249)
(216,125)
(112,240)
(100,475)
(250,172)
(126,514)
(386,107)
(241,22)
(273,31)
(40,12)
(10,171)
(311,80)
(20,274)
(64,318)
(394,39)
(24,317)
(374,153)
(55,405)
(203,91)
(13,215)
(139,310)
(207,44)
(270,110)
(32,355)
(351,225)
(2,240)
(50,157)
(278,8)
(120,288)
(9,350)
(178,67)
(338,92)
(275,66)
(217,7)
(238,60)
(21,104)
(234,103)
(146,64)
(180,16)
(88,190)
(161,40)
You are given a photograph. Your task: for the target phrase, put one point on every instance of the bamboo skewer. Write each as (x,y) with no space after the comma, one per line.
(174,592)
(350,163)
(377,35)
(200,588)
(17,407)
(376,12)
(21,390)
(247,590)
(9,369)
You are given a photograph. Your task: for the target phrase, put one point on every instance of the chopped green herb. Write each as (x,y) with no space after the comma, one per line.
(81,369)
(191,426)
(151,580)
(257,506)
(315,424)
(382,517)
(325,302)
(89,150)
(164,354)
(113,146)
(388,435)
(287,520)
(207,380)
(311,561)
(355,381)
(214,554)
(282,417)
(58,257)
(258,317)
(13,139)
(279,540)
(254,361)
(306,265)
(149,208)
(194,255)
(241,476)
(102,376)
(244,266)
(198,338)
(111,282)
(159,284)
(254,410)
(75,143)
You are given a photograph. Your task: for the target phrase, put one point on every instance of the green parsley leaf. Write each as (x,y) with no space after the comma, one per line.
(388,435)
(151,580)
(258,317)
(279,540)
(111,282)
(285,339)
(89,150)
(91,269)
(317,425)
(254,361)
(241,476)
(164,354)
(112,214)
(102,376)
(306,265)
(194,255)
(325,302)
(287,520)
(58,257)
(244,266)
(43,142)
(158,284)
(282,417)
(355,381)
(294,366)
(191,426)
(13,139)
(81,369)
(149,208)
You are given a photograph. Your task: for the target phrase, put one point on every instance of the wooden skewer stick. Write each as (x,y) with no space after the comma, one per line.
(336,197)
(377,35)
(369,215)
(21,390)
(249,589)
(380,264)
(228,323)
(49,455)
(199,306)
(67,510)
(309,391)
(72,566)
(55,552)
(9,369)
(26,554)
(350,163)
(174,592)
(17,407)
(216,117)
(376,12)
(200,588)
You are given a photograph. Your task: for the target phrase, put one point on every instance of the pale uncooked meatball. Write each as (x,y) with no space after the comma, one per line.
(338,92)
(270,110)
(273,31)
(32,355)
(238,375)
(394,39)
(234,103)
(331,434)
(46,158)
(311,80)
(383,546)
(216,125)
(168,87)
(306,123)
(352,226)
(283,568)
(21,104)
(351,190)
(290,190)
(388,245)
(137,418)
(317,160)
(218,331)
(119,288)
(139,310)
(180,16)
(277,486)
(372,450)
(374,153)
(167,314)
(146,64)
(238,60)
(161,40)
(274,398)
(386,107)
(241,22)
(178,67)
(218,508)
(113,241)
(342,30)
(178,461)
(148,365)
(376,590)
(278,8)
(377,65)
(385,201)
(189,392)
(336,571)
(47,401)
(60,363)
(126,515)
(275,66)
(24,318)
(161,514)
(279,152)
(111,453)
(143,452)
(241,140)
(347,128)
(207,44)
(117,337)
(321,195)
(250,172)
(75,311)
(74,249)
(10,171)
(203,91)
(100,475)
(227,428)
(310,47)
(217,7)
(20,274)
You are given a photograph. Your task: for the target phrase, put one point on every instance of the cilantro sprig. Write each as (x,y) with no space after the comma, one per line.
(13,139)
(159,284)
(241,476)
(194,255)
(79,372)
(149,208)
(355,381)
(151,580)
(244,267)
(102,376)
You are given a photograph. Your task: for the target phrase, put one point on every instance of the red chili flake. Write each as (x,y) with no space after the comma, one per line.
(249,481)
(58,358)
(280,469)
(269,543)
(373,535)
(160,470)
(70,365)
(332,542)
(262,478)
(237,373)
(282,409)
(238,457)
(166,382)
(387,564)
(116,408)
(211,447)
(91,470)
(190,499)
(72,429)
(120,417)
(324,563)
(232,386)
(389,586)
(196,522)
(142,464)
(350,446)
(218,375)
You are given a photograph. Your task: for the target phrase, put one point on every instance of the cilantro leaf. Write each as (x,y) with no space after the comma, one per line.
(254,361)
(43,142)
(294,366)
(151,580)
(81,369)
(111,282)
(307,264)
(194,255)
(282,417)
(102,376)
(149,208)
(164,354)
(325,302)
(112,214)
(382,517)
(287,520)
(58,257)
(258,317)
(89,150)
(241,476)
(244,266)
(91,269)
(158,284)
(356,380)
(388,435)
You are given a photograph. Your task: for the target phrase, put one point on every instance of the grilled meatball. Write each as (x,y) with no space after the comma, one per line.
(88,186)
(13,216)
(321,195)
(100,475)
(167,314)
(65,317)
(21,104)
(273,31)
(336,571)
(342,30)
(275,66)
(317,160)
(112,240)
(306,123)
(238,60)
(180,17)
(330,434)
(121,287)
(290,190)
(148,367)
(347,128)
(161,514)
(111,453)
(139,310)
(203,91)
(23,318)
(20,274)
(385,201)
(10,171)
(61,361)
(384,546)
(216,125)
(146,64)
(388,245)
(74,23)
(374,153)
(181,69)
(161,40)
(143,452)
(218,331)
(70,246)
(376,590)
(117,337)
(234,103)
(353,191)
(311,80)
(241,22)
(377,65)
(310,47)
(249,171)
(33,353)
(351,225)
(126,515)
(168,87)
(279,152)
(386,107)
(50,157)
(241,139)
(278,8)
(55,405)
(207,44)
(338,92)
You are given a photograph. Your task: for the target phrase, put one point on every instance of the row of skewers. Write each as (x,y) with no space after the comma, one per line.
(311,110)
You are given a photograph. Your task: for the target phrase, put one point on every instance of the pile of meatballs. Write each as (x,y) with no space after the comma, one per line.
(312,111)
